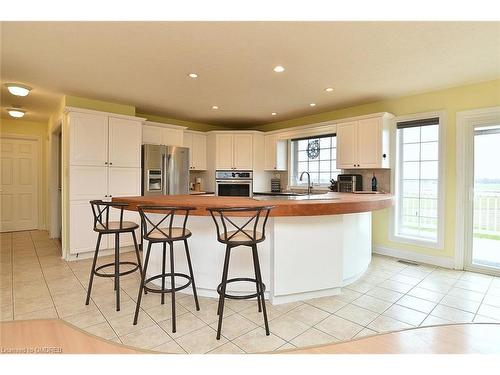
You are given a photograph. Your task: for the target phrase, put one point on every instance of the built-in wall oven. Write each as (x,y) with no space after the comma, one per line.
(234,183)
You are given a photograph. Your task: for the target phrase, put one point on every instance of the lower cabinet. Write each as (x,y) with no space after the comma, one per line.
(109,182)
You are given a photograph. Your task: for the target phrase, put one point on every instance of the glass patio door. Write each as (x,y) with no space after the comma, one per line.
(485,252)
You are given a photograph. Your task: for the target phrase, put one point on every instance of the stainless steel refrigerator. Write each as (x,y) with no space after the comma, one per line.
(165,170)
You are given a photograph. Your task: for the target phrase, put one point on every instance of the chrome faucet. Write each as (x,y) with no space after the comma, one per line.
(309,186)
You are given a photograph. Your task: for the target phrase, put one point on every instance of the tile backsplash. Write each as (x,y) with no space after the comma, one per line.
(383,178)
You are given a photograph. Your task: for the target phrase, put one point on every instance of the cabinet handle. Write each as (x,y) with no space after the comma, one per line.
(106,162)
(110,163)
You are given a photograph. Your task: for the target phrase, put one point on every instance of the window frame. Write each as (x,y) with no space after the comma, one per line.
(293,158)
(396,182)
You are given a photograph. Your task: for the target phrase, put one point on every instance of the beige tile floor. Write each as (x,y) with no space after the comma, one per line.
(36,283)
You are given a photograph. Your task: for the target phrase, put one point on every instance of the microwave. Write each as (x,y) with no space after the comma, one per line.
(233,183)
(347,183)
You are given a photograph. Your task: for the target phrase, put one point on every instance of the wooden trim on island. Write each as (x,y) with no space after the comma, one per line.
(337,204)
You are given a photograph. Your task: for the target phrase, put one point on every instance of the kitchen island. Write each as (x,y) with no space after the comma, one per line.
(314,244)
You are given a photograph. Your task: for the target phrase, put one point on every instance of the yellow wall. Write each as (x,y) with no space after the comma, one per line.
(38,129)
(125,109)
(191,125)
(453,100)
(99,105)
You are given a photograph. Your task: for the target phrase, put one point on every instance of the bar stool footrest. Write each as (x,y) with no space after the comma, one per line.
(123,273)
(177,288)
(245,296)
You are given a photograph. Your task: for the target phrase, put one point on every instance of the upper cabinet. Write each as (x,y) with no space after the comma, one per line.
(124,142)
(364,143)
(275,153)
(197,144)
(101,140)
(88,139)
(162,134)
(234,150)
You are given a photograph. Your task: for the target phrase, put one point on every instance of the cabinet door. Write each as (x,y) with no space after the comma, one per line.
(86,183)
(281,154)
(369,143)
(151,135)
(188,142)
(88,139)
(125,137)
(172,137)
(124,181)
(346,145)
(224,151)
(199,155)
(243,151)
(270,153)
(81,224)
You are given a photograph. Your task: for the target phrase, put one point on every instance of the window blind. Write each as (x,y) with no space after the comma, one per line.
(417,123)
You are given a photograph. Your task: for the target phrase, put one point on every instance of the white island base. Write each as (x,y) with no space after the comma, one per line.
(303,257)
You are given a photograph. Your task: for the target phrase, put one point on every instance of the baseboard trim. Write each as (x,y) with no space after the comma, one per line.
(446,262)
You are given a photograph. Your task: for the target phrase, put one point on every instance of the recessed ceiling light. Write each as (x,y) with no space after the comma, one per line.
(18,89)
(279,69)
(193,75)
(329,89)
(273,113)
(313,104)
(16,112)
(215,107)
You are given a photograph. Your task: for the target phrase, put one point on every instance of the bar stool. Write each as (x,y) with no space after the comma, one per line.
(240,236)
(102,225)
(165,233)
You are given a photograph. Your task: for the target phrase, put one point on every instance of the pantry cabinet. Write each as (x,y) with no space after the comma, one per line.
(275,153)
(234,150)
(104,161)
(197,144)
(364,143)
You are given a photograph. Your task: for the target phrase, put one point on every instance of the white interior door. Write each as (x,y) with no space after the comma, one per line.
(19,184)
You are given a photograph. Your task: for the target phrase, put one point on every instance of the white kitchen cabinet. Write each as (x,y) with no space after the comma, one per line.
(242,151)
(172,137)
(88,139)
(82,237)
(275,153)
(162,134)
(364,143)
(124,182)
(88,182)
(224,151)
(124,142)
(104,161)
(234,150)
(197,144)
(151,135)
(346,145)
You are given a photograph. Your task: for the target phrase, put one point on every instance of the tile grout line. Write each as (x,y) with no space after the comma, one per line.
(43,274)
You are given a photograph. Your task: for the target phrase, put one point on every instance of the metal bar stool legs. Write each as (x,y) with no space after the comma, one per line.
(190,266)
(260,292)
(141,286)
(222,295)
(92,272)
(160,232)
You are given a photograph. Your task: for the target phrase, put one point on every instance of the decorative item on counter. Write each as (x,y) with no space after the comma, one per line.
(374,183)
(276,184)
(197,184)
(333,185)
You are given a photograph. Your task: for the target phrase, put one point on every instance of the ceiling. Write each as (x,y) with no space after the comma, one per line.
(145,64)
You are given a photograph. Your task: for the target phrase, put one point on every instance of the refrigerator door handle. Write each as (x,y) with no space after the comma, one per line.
(166,165)
(164,174)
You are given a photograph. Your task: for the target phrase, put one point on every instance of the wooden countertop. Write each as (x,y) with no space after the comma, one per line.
(344,204)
